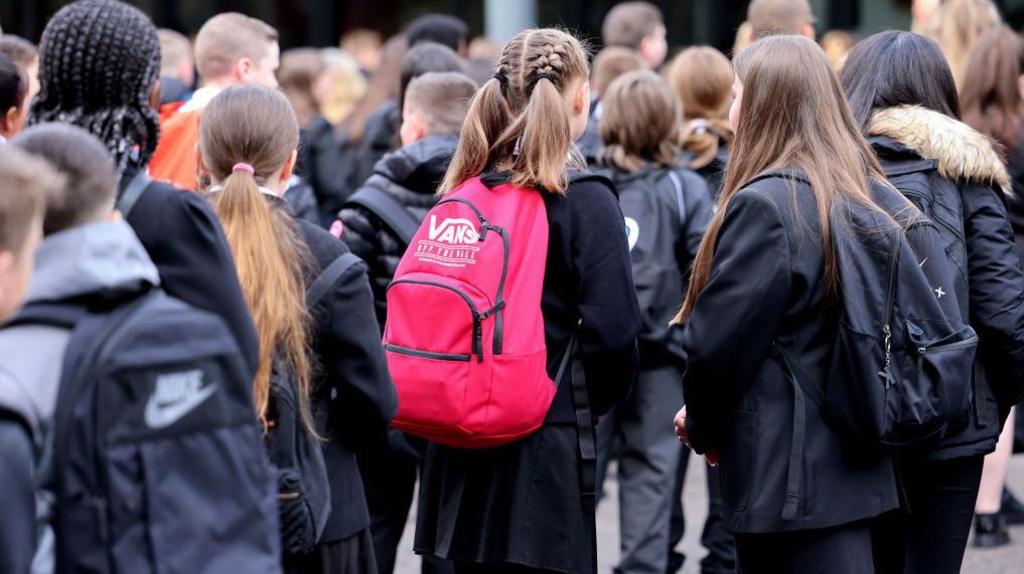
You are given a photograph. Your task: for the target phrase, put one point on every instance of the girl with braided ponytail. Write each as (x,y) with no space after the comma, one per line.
(99,62)
(524,507)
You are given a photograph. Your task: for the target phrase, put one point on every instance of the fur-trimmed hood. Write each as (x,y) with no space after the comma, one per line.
(962,153)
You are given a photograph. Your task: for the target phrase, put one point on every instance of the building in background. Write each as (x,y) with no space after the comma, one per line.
(321,22)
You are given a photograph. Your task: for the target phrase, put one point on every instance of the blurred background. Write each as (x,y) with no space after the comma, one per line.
(322,22)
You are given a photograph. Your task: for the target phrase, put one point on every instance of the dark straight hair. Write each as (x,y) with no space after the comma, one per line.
(897,68)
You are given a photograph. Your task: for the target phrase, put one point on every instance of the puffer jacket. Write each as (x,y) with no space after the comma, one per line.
(969,183)
(412,174)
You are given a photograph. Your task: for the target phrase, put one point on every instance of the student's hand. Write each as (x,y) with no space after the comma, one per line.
(712,457)
(680,424)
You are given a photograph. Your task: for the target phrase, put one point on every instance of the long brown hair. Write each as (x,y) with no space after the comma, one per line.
(990,100)
(793,114)
(640,122)
(957,26)
(255,126)
(702,79)
(518,120)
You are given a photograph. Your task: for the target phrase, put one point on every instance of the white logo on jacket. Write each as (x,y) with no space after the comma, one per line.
(453,231)
(632,232)
(174,396)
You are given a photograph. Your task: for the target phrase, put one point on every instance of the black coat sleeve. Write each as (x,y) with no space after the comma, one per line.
(606,298)
(996,290)
(17,505)
(195,263)
(730,331)
(354,361)
(359,233)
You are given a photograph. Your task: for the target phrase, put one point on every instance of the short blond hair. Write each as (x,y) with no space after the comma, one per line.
(226,38)
(174,47)
(769,17)
(441,99)
(630,22)
(25,183)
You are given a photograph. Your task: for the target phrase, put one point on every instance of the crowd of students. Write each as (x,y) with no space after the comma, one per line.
(197,271)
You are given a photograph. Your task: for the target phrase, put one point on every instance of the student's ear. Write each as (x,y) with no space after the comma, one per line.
(581,100)
(243,70)
(808,31)
(7,122)
(154,95)
(289,166)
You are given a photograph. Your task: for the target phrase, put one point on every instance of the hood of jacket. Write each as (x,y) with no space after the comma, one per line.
(101,258)
(419,166)
(961,152)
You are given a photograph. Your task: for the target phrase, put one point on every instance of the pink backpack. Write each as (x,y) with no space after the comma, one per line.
(465,333)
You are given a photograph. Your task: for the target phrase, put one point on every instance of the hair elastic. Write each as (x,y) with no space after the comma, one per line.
(549,76)
(243,167)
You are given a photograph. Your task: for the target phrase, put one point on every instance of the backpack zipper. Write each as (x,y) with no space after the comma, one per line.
(478,336)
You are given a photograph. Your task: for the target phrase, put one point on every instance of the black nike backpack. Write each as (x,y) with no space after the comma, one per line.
(156,458)
(902,363)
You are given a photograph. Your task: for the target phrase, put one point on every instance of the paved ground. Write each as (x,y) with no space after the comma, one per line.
(1006,560)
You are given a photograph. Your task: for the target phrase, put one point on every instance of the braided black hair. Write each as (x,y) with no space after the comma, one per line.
(98,61)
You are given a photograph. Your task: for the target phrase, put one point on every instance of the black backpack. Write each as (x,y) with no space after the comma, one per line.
(303,488)
(902,362)
(653,205)
(156,457)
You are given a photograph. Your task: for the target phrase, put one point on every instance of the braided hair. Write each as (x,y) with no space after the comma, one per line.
(98,61)
(518,120)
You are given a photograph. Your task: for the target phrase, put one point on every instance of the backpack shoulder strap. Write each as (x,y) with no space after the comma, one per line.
(328,277)
(131,194)
(677,186)
(65,316)
(391,211)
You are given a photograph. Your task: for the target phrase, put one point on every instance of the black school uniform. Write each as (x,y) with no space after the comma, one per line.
(766,289)
(354,401)
(521,503)
(183,237)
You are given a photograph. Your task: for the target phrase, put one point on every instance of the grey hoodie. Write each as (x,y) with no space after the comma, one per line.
(96,258)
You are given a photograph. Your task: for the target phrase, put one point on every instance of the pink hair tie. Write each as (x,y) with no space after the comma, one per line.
(244,167)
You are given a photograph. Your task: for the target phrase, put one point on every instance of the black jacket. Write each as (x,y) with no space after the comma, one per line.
(664,226)
(766,287)
(354,398)
(302,200)
(379,137)
(412,174)
(184,239)
(970,183)
(521,502)
(326,161)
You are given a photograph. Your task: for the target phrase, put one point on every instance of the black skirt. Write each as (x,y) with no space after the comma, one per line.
(517,504)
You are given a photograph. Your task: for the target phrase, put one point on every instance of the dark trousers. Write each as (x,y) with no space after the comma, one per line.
(648,455)
(389,480)
(719,542)
(839,550)
(930,536)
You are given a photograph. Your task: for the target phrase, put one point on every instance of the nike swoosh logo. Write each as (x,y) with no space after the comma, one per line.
(159,416)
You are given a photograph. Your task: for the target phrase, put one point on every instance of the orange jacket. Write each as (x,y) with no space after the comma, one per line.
(174,160)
